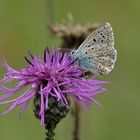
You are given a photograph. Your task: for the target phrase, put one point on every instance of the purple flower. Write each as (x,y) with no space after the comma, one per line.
(54,75)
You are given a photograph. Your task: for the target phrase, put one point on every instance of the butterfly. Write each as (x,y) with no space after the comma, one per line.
(97,53)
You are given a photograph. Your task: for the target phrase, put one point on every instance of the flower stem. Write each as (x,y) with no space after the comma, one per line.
(50,133)
(50,11)
(76,132)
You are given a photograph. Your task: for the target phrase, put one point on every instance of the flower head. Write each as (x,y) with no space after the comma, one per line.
(54,75)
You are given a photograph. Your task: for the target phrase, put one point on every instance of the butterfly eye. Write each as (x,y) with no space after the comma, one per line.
(99,66)
(92,48)
(98,31)
(99,50)
(88,57)
(85,52)
(102,40)
(103,36)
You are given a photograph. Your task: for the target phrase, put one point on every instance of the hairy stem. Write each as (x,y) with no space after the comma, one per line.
(50,10)
(76,132)
(50,133)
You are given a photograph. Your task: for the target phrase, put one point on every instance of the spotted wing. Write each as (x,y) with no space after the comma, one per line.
(99,49)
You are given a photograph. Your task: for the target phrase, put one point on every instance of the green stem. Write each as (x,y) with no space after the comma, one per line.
(76,132)
(50,11)
(50,133)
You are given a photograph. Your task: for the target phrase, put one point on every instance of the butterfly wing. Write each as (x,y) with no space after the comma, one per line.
(99,49)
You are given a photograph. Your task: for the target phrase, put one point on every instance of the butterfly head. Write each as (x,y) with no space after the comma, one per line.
(73,51)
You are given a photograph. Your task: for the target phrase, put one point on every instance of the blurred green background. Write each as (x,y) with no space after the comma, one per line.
(23,26)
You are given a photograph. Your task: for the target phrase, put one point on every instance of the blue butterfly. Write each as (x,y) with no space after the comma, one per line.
(97,53)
